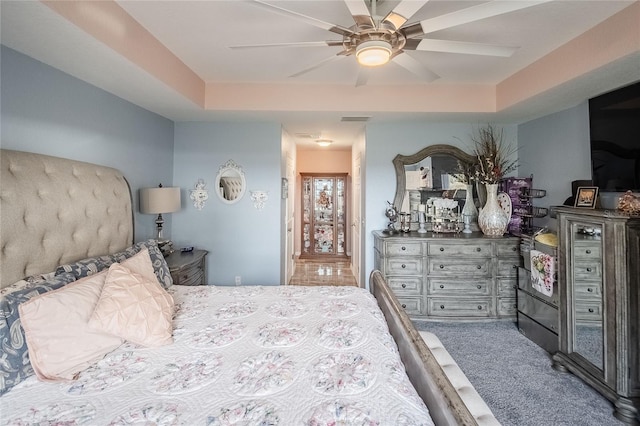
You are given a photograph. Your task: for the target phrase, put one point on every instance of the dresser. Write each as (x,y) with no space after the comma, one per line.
(599,282)
(188,268)
(450,276)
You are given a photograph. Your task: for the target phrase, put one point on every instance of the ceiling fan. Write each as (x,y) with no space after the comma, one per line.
(375,41)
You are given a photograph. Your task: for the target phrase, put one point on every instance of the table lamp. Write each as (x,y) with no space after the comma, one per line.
(158,201)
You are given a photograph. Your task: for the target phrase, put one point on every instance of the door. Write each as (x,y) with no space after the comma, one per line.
(289,218)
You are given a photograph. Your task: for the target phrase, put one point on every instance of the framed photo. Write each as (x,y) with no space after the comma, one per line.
(285,188)
(586,197)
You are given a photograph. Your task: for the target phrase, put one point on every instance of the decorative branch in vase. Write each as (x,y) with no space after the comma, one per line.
(495,160)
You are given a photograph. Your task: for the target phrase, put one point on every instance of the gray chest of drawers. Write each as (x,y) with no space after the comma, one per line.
(450,276)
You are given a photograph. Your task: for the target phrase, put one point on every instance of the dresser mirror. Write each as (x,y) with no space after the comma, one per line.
(230,183)
(586,297)
(435,161)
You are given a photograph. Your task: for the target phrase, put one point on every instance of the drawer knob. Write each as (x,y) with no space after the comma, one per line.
(441,306)
(479,267)
(478,249)
(404,286)
(404,306)
(588,251)
(514,267)
(403,248)
(441,248)
(441,266)
(479,286)
(591,310)
(588,269)
(479,307)
(404,266)
(590,290)
(441,285)
(514,248)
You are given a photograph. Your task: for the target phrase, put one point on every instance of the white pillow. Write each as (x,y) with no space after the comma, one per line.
(61,343)
(134,307)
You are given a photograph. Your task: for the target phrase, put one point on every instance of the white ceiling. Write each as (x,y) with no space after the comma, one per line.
(200,34)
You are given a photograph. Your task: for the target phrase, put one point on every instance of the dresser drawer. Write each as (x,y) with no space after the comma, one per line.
(403,249)
(405,285)
(445,286)
(479,267)
(507,307)
(591,271)
(465,248)
(460,307)
(404,266)
(507,287)
(588,311)
(588,290)
(510,248)
(196,278)
(412,305)
(587,250)
(509,267)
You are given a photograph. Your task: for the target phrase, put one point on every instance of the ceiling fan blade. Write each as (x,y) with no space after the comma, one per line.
(363,76)
(304,18)
(403,12)
(448,46)
(415,67)
(470,14)
(295,44)
(319,64)
(360,13)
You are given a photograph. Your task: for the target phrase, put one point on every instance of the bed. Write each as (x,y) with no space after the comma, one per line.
(217,355)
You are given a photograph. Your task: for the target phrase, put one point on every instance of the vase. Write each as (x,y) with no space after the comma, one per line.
(469,210)
(493,221)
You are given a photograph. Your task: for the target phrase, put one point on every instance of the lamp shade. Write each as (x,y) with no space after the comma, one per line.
(160,200)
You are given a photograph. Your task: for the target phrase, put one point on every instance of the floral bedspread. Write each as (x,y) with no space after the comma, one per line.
(242,356)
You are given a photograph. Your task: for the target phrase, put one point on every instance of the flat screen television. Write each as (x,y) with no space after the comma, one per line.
(614,120)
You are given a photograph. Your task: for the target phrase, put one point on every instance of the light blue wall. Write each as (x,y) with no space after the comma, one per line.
(241,240)
(384,141)
(46,111)
(555,149)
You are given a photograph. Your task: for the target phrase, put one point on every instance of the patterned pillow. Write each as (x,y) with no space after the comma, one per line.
(85,267)
(94,265)
(15,365)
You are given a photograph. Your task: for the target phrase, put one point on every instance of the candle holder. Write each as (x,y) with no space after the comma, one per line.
(421,223)
(466,219)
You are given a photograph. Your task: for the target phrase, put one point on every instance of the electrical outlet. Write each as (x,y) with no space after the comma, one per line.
(238,280)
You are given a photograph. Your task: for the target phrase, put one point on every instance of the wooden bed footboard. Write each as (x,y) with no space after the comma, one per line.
(424,371)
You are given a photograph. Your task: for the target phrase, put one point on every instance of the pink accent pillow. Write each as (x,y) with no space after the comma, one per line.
(134,307)
(61,343)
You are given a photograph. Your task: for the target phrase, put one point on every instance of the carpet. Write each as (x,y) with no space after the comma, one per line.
(514,376)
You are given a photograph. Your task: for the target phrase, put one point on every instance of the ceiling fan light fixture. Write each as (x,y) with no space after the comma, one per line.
(324,142)
(373,53)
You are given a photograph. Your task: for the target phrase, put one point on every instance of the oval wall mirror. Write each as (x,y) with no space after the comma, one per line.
(230,183)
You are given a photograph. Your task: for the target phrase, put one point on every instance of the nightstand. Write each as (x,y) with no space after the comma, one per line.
(188,268)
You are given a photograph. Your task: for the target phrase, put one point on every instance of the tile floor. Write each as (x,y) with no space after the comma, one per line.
(322,272)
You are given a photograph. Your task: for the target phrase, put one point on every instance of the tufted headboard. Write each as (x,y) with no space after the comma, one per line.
(55,211)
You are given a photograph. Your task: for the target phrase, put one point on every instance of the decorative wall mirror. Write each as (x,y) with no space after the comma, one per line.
(443,159)
(230,183)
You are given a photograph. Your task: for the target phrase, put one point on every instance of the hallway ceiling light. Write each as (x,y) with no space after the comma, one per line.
(324,142)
